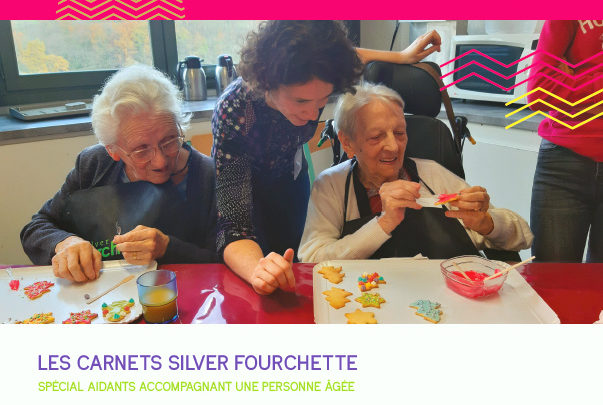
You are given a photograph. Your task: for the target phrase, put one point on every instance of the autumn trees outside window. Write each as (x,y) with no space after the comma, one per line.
(60,60)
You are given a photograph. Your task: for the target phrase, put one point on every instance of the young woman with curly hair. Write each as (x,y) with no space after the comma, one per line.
(260,123)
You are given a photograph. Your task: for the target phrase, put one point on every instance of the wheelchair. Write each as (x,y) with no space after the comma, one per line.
(428,137)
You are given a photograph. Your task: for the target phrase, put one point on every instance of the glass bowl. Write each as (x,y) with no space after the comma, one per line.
(477,268)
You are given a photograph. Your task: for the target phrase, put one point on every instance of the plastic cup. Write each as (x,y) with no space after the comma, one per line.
(158,293)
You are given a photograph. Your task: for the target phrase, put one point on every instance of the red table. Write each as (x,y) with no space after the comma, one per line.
(210,293)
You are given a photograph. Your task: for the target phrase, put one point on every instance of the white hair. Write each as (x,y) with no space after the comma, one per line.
(348,104)
(130,91)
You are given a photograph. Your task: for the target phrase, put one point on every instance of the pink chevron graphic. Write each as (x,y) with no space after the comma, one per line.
(569,76)
(523,81)
(120,9)
(573,77)
(524,58)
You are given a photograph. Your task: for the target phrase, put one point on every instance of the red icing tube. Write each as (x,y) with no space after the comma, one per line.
(14,285)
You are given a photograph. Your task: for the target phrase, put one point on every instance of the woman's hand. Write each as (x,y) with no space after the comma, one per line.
(142,245)
(272,272)
(473,204)
(418,50)
(395,197)
(76,260)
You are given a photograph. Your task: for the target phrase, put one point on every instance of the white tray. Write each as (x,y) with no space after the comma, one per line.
(66,297)
(410,280)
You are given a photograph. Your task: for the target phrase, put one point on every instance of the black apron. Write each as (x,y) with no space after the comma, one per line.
(93,213)
(427,231)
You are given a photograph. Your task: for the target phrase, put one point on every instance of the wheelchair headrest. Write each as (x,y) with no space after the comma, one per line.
(420,92)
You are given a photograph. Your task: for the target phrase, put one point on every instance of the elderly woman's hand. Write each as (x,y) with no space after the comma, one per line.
(396,196)
(142,245)
(272,272)
(76,260)
(417,51)
(473,204)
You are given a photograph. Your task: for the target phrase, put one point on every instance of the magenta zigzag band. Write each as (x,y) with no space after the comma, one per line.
(520,83)
(78,5)
(573,77)
(524,58)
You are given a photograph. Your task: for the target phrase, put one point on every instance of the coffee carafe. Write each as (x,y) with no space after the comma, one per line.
(191,79)
(225,72)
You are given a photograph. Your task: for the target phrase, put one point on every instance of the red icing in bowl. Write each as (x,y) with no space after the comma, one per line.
(14,285)
(474,288)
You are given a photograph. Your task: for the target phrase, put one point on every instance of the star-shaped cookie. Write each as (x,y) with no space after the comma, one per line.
(333,274)
(370,300)
(337,297)
(359,316)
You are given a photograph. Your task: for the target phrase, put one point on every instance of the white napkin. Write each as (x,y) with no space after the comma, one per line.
(600,318)
(428,201)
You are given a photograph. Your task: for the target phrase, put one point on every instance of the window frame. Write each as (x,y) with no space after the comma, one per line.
(51,87)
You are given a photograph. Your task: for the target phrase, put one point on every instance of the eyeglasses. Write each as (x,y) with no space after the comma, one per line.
(169,148)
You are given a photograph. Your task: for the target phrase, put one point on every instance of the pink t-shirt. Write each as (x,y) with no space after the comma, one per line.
(573,41)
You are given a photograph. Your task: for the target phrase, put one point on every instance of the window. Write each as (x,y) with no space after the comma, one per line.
(75,46)
(42,61)
(208,39)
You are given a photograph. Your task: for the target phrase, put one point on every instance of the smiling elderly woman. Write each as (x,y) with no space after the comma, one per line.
(140,178)
(367,207)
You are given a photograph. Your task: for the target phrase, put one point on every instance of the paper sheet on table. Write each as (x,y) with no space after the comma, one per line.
(408,280)
(66,297)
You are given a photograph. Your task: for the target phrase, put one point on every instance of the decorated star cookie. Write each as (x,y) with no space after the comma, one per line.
(337,297)
(37,289)
(368,281)
(39,318)
(333,274)
(81,317)
(359,316)
(446,198)
(117,310)
(370,300)
(428,310)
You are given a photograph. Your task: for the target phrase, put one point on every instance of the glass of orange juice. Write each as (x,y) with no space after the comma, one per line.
(158,293)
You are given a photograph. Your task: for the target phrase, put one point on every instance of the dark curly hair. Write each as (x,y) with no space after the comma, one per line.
(293,52)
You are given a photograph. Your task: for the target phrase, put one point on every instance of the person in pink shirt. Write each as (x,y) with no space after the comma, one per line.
(567,194)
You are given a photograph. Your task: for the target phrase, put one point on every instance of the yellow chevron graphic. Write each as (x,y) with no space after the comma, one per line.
(554,108)
(556,120)
(91,8)
(121,10)
(555,96)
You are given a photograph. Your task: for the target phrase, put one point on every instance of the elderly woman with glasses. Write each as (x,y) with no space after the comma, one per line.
(139,171)
(368,207)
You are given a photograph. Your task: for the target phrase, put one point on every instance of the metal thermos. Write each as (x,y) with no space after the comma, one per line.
(191,79)
(225,73)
